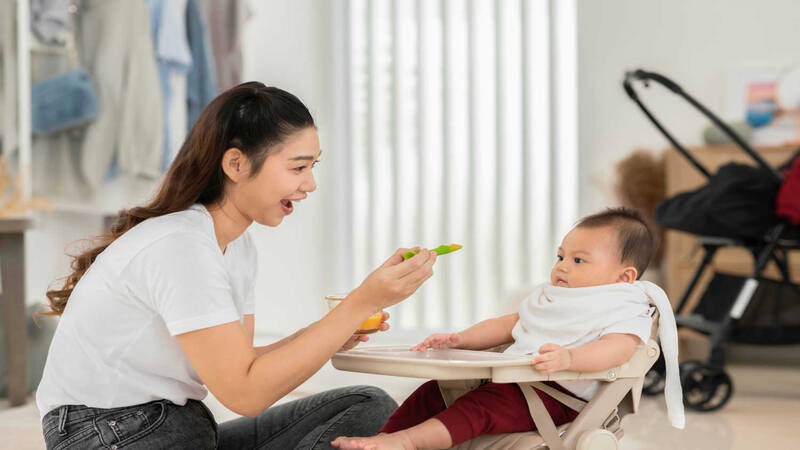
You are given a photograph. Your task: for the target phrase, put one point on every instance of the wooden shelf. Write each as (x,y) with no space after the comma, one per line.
(15,224)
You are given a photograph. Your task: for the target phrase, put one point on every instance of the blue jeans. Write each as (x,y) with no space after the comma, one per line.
(309,423)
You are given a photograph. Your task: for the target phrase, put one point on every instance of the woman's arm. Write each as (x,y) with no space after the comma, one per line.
(260,350)
(250,325)
(249,328)
(224,358)
(352,342)
(226,361)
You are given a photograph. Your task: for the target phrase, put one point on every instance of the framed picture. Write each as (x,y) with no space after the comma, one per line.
(768,99)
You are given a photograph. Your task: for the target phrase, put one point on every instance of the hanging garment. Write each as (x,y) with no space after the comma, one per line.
(63,101)
(201,81)
(226,23)
(51,21)
(130,119)
(174,60)
(8,64)
(55,158)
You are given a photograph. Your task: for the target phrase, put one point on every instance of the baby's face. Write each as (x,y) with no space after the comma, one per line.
(588,257)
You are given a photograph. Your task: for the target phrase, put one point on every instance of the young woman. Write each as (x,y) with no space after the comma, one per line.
(161,309)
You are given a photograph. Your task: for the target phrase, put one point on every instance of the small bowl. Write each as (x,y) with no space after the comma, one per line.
(371,325)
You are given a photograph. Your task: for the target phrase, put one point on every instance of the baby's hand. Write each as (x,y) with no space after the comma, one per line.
(552,358)
(441,340)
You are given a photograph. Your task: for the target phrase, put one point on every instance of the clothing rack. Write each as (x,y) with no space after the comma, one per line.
(17,90)
(12,229)
(18,46)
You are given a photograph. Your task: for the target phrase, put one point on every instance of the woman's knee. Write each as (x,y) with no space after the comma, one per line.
(375,410)
(378,398)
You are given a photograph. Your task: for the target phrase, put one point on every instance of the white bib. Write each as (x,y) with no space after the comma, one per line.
(564,316)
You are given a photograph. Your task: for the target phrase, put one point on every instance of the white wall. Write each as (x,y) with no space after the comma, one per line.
(693,42)
(287,45)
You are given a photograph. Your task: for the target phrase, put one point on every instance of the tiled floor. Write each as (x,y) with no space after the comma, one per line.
(764,413)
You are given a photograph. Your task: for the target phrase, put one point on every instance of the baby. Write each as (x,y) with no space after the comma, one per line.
(590,317)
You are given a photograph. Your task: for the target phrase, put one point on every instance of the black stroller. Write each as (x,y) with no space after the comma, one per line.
(735,208)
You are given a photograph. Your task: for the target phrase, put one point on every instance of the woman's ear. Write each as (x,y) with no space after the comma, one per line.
(235,164)
(628,275)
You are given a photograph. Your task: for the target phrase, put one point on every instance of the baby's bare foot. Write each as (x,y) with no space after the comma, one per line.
(392,441)
(348,443)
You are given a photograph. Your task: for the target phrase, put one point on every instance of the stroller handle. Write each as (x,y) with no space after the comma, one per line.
(646,77)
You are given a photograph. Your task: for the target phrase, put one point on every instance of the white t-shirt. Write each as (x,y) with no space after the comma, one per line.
(115,345)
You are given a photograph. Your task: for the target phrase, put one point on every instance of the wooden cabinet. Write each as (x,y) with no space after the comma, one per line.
(682,252)
(12,305)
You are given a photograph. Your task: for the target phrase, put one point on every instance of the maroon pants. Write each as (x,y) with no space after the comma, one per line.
(492,408)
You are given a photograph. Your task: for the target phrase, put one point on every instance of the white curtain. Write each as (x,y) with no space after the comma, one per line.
(457,124)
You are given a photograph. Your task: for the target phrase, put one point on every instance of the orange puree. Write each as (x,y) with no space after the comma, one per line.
(371,325)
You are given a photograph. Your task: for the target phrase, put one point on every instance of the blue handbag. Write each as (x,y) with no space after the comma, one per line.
(62,102)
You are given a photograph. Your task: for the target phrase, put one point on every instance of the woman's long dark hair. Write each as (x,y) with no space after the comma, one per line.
(251,117)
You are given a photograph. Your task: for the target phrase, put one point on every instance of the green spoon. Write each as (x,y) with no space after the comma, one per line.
(440,250)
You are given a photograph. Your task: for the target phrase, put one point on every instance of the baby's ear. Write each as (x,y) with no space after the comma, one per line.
(628,275)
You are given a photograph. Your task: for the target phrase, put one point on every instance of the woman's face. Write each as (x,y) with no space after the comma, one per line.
(285,178)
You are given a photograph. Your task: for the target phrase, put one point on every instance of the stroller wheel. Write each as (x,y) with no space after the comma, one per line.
(655,379)
(705,388)
(654,383)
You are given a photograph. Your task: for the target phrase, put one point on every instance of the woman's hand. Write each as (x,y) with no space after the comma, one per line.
(356,338)
(396,278)
(552,358)
(353,341)
(441,340)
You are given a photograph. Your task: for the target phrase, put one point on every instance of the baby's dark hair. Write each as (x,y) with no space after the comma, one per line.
(634,238)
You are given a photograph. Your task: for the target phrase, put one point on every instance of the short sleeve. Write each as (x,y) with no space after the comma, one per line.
(183,278)
(639,326)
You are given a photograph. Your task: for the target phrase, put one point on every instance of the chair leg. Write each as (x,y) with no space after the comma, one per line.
(593,417)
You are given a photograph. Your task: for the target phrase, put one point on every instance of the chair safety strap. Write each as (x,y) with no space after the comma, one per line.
(568,400)
(541,418)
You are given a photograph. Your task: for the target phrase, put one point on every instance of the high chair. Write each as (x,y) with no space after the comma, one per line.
(597,427)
